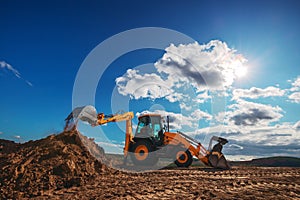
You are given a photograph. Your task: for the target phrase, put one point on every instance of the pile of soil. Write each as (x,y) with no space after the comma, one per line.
(7,146)
(53,163)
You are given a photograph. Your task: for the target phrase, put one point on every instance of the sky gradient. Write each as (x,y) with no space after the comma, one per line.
(43,44)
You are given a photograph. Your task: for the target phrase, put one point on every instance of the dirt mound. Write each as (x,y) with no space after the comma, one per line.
(7,146)
(56,162)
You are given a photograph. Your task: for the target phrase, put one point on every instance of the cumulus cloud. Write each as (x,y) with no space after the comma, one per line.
(295,94)
(211,65)
(254,92)
(185,106)
(296,84)
(4,66)
(138,85)
(198,114)
(202,97)
(245,113)
(295,97)
(279,134)
(204,67)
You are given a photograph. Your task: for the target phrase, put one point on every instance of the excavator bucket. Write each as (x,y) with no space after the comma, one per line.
(85,113)
(216,158)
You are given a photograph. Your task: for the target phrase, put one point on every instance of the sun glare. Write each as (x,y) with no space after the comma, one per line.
(241,71)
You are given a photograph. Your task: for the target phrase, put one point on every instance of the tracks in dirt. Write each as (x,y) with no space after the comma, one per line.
(194,183)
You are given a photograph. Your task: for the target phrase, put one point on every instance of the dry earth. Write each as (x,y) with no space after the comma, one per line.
(195,183)
(60,167)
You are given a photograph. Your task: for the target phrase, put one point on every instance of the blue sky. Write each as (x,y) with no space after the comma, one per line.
(46,42)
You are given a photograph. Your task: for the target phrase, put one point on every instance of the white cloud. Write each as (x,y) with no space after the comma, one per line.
(254,92)
(240,157)
(29,83)
(295,94)
(245,113)
(202,97)
(110,144)
(198,114)
(111,147)
(138,85)
(5,66)
(295,97)
(209,66)
(185,106)
(296,85)
(279,134)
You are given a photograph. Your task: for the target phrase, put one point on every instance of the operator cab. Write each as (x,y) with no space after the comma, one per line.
(150,126)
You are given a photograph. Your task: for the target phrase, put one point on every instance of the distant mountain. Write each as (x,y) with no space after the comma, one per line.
(278,161)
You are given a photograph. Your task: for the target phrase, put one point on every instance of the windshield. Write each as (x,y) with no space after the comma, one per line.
(149,125)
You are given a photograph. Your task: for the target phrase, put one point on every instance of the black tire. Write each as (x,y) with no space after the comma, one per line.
(183,158)
(142,154)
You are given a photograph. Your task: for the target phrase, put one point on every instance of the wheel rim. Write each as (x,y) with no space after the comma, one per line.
(141,152)
(182,157)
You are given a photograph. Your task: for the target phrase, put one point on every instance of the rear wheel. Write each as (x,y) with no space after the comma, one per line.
(183,158)
(142,153)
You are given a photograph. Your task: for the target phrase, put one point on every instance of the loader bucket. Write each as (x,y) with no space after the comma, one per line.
(218,161)
(216,158)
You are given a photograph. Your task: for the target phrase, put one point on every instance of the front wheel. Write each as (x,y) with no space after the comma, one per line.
(183,158)
(142,153)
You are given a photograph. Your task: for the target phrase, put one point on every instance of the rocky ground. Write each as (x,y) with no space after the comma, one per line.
(60,167)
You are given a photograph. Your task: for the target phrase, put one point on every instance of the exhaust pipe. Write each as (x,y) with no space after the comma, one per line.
(168,123)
